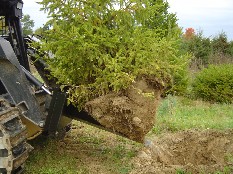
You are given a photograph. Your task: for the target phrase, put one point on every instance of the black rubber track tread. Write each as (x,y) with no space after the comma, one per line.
(14,149)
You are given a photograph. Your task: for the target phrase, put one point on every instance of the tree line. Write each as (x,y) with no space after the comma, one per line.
(206,50)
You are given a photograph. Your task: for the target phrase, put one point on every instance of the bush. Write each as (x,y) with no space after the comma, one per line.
(215,83)
(99,48)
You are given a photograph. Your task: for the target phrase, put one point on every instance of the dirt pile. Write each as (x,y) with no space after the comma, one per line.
(131,112)
(188,151)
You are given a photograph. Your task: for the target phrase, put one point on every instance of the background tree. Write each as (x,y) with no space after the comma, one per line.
(220,44)
(27,25)
(230,49)
(41,30)
(198,45)
(101,46)
(205,50)
(189,33)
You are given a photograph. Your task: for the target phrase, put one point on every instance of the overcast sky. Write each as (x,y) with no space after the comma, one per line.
(210,16)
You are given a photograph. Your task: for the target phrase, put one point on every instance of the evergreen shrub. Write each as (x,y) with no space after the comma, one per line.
(102,46)
(215,83)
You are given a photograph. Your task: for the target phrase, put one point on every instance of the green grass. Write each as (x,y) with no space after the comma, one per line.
(226,170)
(47,158)
(178,113)
(90,147)
(113,153)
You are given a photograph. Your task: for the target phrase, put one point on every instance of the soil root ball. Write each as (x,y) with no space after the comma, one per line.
(130,112)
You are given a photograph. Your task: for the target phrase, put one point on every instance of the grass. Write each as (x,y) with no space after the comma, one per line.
(48,159)
(226,170)
(178,113)
(85,151)
(89,150)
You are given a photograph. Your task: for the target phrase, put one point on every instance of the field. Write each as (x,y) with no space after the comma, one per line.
(188,137)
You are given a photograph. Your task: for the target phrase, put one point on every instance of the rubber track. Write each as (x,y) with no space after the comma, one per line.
(14,149)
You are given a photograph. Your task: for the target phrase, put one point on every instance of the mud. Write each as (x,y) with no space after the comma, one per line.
(190,151)
(130,112)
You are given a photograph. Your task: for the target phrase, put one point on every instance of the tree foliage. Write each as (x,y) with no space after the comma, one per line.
(104,45)
(41,30)
(220,44)
(27,25)
(189,33)
(198,45)
(206,50)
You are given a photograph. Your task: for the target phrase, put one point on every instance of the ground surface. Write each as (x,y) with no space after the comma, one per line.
(89,150)
(189,151)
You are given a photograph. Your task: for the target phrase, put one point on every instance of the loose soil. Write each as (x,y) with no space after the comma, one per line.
(130,112)
(189,151)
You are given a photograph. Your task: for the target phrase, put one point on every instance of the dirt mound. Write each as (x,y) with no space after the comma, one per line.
(188,151)
(131,112)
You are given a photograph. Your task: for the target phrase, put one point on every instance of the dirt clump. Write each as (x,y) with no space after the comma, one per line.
(130,112)
(189,151)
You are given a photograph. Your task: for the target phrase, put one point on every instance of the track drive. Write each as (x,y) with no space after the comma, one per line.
(13,147)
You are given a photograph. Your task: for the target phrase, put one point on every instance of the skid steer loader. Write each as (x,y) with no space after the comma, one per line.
(28,108)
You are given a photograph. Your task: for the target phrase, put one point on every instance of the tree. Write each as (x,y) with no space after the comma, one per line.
(230,49)
(189,33)
(161,18)
(205,50)
(220,44)
(41,30)
(104,45)
(198,45)
(27,25)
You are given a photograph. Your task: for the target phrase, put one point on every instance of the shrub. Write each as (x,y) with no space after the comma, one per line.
(99,48)
(215,83)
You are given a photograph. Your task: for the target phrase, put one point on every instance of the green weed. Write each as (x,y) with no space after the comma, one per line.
(178,113)
(226,170)
(181,171)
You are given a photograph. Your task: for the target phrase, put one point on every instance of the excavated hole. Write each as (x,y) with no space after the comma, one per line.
(192,150)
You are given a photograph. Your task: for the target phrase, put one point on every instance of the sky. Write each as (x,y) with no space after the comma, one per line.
(209,16)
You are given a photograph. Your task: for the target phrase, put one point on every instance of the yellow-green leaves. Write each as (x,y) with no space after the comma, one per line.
(104,45)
